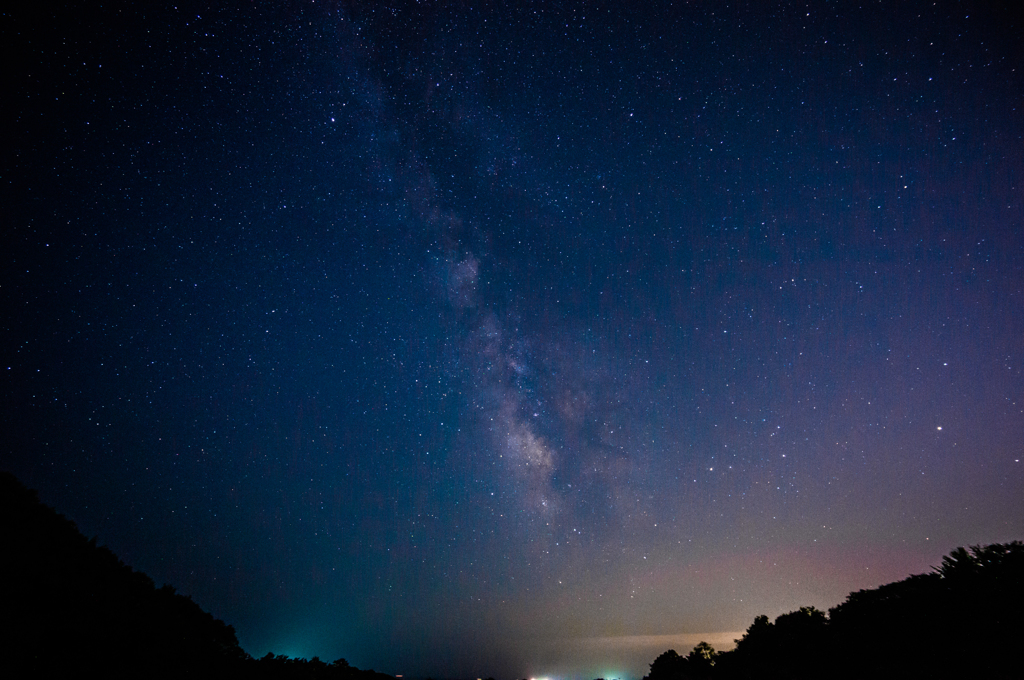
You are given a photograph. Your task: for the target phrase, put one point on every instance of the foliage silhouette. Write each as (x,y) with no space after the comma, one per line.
(911,628)
(71,606)
(697,664)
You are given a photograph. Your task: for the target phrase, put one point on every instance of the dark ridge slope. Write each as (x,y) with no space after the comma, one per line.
(68,606)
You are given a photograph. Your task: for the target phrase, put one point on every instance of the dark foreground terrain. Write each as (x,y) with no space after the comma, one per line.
(70,606)
(963,620)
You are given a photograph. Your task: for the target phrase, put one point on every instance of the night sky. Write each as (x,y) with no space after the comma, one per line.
(527,339)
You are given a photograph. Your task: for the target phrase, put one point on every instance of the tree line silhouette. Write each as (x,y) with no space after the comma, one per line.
(965,619)
(67,605)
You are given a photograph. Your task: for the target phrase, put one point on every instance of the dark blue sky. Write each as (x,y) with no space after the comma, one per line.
(516,339)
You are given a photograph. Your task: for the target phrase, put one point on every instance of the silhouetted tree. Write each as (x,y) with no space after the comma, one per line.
(695,665)
(701,660)
(973,599)
(668,666)
(911,628)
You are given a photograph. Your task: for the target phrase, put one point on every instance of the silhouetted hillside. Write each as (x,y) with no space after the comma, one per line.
(963,620)
(70,606)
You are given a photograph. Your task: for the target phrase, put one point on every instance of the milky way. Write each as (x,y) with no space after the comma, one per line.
(516,341)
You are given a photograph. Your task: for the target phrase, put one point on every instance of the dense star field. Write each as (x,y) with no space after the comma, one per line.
(524,339)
